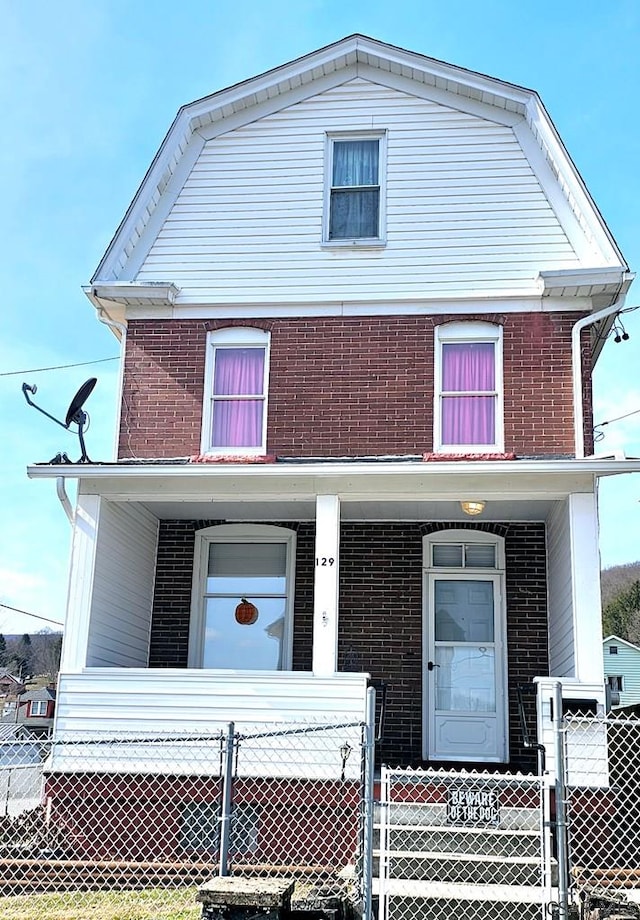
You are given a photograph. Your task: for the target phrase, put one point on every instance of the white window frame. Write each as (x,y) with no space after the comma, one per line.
(220,339)
(40,705)
(456,333)
(237,533)
(365,242)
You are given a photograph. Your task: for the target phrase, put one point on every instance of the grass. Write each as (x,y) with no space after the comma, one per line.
(155,904)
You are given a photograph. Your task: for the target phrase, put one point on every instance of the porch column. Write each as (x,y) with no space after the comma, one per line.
(587,603)
(325,591)
(83,561)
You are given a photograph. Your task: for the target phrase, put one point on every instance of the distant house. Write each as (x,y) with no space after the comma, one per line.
(9,684)
(621,671)
(36,709)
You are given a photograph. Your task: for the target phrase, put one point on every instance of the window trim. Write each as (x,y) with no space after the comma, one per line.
(369,242)
(233,337)
(462,535)
(237,533)
(457,333)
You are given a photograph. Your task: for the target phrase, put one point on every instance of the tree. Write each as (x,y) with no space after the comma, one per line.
(19,656)
(46,647)
(621,616)
(3,651)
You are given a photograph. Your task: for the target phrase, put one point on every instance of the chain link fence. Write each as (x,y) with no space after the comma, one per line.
(603,813)
(131,814)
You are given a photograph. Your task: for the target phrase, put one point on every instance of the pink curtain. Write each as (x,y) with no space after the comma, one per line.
(238,422)
(468,368)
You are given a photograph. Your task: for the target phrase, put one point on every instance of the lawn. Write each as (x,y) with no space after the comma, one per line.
(156,904)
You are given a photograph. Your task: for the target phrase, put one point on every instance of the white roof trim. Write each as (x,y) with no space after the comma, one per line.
(240,104)
(623,641)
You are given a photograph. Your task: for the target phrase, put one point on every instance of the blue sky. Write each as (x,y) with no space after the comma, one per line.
(87,92)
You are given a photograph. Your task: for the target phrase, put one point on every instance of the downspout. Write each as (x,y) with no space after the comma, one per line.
(64,499)
(576,362)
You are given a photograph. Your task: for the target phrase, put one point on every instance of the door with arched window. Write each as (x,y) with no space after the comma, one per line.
(464,686)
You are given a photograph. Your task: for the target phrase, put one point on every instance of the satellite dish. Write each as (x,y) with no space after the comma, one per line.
(75,413)
(78,401)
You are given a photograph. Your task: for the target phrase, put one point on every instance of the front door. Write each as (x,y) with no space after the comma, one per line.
(465,705)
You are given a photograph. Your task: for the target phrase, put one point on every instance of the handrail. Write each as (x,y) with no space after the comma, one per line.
(524,728)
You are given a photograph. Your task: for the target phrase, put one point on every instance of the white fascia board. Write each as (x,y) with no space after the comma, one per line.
(451,481)
(572,184)
(192,308)
(127,293)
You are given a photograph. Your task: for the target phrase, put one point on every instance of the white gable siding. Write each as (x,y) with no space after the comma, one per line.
(465,211)
(122,599)
(627,664)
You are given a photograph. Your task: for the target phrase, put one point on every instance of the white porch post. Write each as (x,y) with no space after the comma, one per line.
(81,572)
(325,592)
(585,572)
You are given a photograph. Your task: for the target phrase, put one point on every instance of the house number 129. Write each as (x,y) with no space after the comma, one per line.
(325,560)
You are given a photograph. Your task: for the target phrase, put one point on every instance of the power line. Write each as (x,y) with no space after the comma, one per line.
(57,367)
(35,615)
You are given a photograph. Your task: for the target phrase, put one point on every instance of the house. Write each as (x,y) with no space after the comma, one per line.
(359,300)
(621,671)
(9,683)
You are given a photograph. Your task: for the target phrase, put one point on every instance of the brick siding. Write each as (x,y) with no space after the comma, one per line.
(380,627)
(347,387)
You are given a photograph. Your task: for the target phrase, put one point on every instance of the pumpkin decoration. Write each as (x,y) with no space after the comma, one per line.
(246,613)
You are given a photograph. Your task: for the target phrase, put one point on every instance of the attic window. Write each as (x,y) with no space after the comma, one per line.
(355,189)
(613,649)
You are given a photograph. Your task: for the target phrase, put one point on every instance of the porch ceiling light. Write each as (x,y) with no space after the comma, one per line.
(473,507)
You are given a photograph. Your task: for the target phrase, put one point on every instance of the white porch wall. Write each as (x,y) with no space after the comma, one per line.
(575,639)
(123,582)
(110,585)
(562,659)
(153,701)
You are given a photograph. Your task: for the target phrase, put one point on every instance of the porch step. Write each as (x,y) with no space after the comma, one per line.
(467,841)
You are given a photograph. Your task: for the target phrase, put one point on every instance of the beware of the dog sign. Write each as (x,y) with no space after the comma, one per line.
(473,806)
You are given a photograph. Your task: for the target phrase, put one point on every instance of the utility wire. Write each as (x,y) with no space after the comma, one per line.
(57,367)
(35,615)
(617,419)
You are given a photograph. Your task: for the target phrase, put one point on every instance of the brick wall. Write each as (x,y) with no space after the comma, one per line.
(352,386)
(380,629)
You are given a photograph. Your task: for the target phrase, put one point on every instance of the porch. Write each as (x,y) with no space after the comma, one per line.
(362,588)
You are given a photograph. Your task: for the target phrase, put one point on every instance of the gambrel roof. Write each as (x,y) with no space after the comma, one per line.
(598,268)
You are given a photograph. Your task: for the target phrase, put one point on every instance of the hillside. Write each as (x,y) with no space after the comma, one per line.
(621,601)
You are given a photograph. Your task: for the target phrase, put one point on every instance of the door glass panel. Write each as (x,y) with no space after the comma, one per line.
(465,678)
(464,610)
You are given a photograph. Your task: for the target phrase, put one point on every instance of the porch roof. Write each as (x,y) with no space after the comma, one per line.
(390,489)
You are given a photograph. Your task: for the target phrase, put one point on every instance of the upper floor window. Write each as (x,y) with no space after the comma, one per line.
(38,708)
(468,413)
(355,188)
(235,405)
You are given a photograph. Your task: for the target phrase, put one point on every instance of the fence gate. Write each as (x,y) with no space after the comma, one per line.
(463,845)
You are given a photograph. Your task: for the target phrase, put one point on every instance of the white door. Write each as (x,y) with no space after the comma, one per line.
(464,682)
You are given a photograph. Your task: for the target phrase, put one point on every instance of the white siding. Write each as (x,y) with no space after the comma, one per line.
(562,660)
(465,211)
(194,705)
(627,664)
(123,581)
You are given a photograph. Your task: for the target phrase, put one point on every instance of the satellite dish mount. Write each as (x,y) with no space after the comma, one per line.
(75,413)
